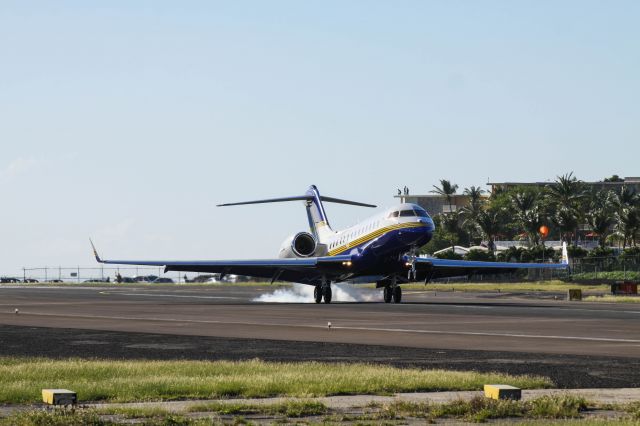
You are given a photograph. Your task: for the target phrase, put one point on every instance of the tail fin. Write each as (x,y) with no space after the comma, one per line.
(565,254)
(318,222)
(565,257)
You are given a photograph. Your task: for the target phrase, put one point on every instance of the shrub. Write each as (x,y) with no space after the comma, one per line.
(481,255)
(576,252)
(631,252)
(449,254)
(512,254)
(537,253)
(601,252)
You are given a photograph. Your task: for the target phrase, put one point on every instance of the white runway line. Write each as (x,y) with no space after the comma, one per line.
(167,295)
(377,329)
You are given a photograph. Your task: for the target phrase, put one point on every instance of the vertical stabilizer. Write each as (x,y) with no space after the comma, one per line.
(318,222)
(565,254)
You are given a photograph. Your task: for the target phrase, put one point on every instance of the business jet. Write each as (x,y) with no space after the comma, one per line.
(382,249)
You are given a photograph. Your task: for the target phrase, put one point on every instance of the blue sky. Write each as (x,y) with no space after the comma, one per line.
(129,121)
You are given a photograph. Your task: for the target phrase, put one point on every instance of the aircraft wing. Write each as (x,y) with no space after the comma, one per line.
(434,268)
(308,270)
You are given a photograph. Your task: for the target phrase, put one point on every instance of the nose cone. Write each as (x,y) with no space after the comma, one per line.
(418,235)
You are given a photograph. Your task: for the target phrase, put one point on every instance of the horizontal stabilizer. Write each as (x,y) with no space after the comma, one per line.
(270,200)
(299,198)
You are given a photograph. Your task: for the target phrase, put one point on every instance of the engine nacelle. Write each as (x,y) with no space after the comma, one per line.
(302,244)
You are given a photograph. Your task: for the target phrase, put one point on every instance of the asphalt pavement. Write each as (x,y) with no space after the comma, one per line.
(577,344)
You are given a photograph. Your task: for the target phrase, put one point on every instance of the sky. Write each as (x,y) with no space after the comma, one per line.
(129,121)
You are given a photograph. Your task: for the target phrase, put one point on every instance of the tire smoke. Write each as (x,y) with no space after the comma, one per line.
(301,293)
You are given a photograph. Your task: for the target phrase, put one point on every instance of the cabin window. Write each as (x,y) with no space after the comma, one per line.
(405,213)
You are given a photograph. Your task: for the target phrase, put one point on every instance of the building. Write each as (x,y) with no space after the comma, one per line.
(629,182)
(436,204)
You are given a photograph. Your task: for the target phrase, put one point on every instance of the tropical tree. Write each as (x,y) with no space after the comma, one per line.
(628,225)
(450,222)
(566,220)
(600,221)
(626,198)
(490,223)
(471,211)
(566,195)
(475,194)
(529,212)
(446,189)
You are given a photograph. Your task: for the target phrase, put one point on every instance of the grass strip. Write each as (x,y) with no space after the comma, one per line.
(607,275)
(480,409)
(288,408)
(553,286)
(21,379)
(556,409)
(613,299)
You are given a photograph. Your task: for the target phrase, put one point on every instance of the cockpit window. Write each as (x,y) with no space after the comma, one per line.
(407,213)
(421,213)
(393,214)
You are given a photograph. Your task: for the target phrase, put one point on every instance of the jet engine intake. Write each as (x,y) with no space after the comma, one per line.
(302,244)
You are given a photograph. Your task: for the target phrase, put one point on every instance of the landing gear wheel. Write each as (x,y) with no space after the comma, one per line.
(317,294)
(387,294)
(397,294)
(326,294)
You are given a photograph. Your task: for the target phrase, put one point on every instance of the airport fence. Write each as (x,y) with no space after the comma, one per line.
(611,268)
(102,274)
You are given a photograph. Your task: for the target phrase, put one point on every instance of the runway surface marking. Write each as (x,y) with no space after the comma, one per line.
(168,295)
(377,329)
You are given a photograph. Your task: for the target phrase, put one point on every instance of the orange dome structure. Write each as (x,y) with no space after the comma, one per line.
(544,231)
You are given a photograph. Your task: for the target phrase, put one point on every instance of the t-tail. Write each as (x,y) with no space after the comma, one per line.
(318,221)
(565,254)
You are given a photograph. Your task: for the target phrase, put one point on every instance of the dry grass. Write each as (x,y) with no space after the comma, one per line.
(613,299)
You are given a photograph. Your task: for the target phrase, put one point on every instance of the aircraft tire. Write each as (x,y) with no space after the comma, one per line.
(317,294)
(326,294)
(397,294)
(387,294)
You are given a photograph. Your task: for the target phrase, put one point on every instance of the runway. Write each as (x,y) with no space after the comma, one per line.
(519,333)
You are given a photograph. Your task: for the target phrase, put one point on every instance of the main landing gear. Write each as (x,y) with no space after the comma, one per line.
(392,292)
(322,292)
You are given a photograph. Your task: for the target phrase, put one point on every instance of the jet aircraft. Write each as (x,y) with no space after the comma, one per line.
(381,249)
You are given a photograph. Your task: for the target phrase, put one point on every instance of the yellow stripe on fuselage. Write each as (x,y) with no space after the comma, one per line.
(372,235)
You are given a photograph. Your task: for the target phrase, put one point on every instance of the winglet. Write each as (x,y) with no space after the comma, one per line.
(565,254)
(95,252)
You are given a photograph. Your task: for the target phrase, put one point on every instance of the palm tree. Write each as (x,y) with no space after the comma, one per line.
(446,189)
(475,197)
(450,222)
(628,196)
(490,223)
(567,194)
(625,202)
(471,211)
(529,213)
(600,221)
(566,220)
(628,226)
